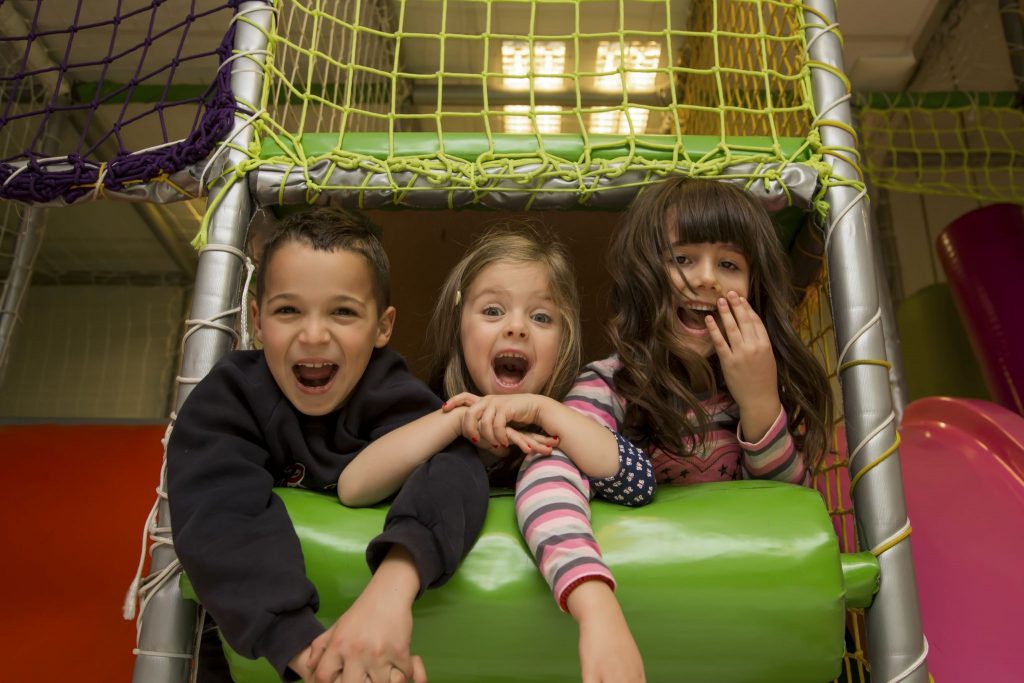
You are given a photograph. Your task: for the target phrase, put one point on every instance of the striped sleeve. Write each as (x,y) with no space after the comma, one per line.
(775,455)
(633,485)
(593,395)
(553,512)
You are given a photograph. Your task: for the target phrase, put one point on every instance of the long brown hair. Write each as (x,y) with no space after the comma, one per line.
(658,371)
(449,374)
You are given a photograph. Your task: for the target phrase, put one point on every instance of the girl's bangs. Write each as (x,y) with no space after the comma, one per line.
(694,225)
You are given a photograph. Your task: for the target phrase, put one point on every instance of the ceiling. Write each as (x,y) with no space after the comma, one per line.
(110,242)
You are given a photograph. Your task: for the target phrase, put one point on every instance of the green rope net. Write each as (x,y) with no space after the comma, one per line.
(954,143)
(573,99)
(939,138)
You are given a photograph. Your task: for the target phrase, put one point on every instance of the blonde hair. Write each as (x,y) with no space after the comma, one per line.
(449,374)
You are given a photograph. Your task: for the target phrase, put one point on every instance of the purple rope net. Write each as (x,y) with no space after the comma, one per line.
(133,79)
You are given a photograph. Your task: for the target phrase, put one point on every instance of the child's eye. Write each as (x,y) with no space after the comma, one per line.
(492,311)
(542,318)
(344,312)
(729,265)
(682,259)
(285,310)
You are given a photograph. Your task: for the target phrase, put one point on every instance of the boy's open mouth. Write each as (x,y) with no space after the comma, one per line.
(313,375)
(510,369)
(692,315)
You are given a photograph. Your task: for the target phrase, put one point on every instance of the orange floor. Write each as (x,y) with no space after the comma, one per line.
(73,500)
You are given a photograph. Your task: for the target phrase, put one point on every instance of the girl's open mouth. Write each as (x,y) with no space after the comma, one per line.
(692,316)
(315,375)
(510,369)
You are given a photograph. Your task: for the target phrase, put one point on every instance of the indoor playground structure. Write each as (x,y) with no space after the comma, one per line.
(433,113)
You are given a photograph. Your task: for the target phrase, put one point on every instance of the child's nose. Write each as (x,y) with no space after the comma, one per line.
(516,328)
(704,276)
(314,331)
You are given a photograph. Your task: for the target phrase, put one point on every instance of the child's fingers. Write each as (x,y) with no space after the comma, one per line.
(744,316)
(540,444)
(530,443)
(729,326)
(419,672)
(758,325)
(545,440)
(518,439)
(717,339)
(316,649)
(488,435)
(471,424)
(463,399)
(499,423)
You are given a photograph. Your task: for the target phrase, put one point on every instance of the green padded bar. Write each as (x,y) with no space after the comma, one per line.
(861,575)
(471,146)
(739,581)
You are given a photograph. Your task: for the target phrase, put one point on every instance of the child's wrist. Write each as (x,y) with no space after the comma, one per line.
(546,410)
(454,420)
(587,595)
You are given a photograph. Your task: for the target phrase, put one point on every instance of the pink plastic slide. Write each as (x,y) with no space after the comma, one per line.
(963,475)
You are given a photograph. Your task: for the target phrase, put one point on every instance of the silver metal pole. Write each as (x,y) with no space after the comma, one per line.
(877,224)
(12,299)
(895,639)
(167,630)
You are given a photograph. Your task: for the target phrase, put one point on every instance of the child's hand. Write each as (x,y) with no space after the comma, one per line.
(300,663)
(370,641)
(745,353)
(492,420)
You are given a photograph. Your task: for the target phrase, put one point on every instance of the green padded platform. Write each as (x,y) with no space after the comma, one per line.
(740,581)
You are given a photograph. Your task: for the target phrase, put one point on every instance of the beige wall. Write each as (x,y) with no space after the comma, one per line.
(94,352)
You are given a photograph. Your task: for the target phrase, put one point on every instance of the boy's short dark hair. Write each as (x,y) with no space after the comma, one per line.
(330,229)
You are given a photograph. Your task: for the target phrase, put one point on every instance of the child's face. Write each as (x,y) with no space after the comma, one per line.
(510,329)
(318,322)
(701,274)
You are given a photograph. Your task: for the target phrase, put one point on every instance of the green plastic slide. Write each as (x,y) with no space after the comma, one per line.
(739,581)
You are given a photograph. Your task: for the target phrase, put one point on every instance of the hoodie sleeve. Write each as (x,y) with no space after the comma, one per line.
(439,511)
(231,532)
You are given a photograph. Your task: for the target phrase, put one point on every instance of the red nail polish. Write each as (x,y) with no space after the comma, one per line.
(474,439)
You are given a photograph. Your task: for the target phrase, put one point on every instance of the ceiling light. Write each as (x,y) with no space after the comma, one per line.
(546,123)
(640,55)
(617,121)
(548,59)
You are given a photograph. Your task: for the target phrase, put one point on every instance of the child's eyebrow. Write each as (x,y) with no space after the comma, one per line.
(290,296)
(497,291)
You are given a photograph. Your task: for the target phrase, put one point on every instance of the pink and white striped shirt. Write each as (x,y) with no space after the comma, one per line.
(723,455)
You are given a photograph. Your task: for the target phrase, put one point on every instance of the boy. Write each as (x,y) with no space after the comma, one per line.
(295,414)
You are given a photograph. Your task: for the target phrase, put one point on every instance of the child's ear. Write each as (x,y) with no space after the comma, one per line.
(257,325)
(385,325)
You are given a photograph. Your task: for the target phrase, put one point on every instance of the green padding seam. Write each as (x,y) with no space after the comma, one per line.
(738,582)
(472,146)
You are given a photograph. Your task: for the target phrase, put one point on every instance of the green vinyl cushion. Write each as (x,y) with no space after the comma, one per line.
(738,581)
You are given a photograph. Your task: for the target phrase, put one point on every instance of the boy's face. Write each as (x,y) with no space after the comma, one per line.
(318,323)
